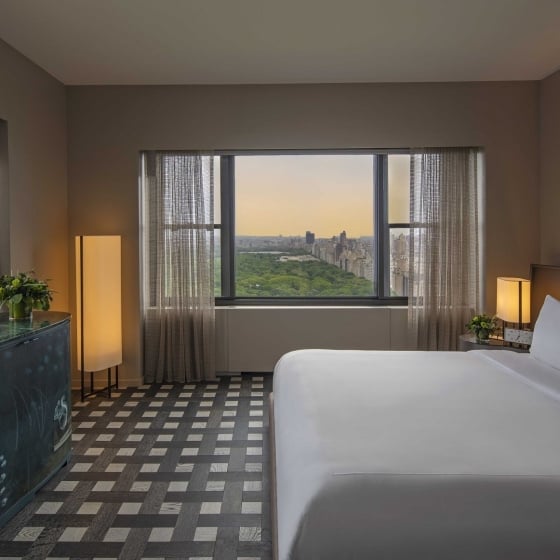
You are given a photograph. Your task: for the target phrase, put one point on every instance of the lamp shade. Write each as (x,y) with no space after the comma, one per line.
(98,289)
(513,300)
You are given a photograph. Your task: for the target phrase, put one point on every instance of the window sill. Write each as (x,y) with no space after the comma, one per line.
(267,306)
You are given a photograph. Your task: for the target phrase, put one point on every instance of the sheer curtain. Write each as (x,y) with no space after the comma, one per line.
(445,270)
(178,266)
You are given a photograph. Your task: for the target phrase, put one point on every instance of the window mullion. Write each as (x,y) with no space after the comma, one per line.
(381,225)
(227,200)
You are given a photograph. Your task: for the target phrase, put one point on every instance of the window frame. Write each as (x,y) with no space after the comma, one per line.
(382,228)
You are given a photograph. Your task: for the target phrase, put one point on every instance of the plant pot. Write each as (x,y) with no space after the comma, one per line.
(483,336)
(19,311)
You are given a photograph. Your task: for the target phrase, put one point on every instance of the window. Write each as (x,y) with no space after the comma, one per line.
(314,226)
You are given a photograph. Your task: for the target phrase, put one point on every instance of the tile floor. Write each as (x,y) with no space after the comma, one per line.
(157,472)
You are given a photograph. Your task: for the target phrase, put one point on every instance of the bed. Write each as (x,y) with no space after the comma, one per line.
(419,455)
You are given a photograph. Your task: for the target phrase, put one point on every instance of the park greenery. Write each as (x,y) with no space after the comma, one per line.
(262,274)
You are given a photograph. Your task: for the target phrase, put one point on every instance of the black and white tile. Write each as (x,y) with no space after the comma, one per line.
(157,472)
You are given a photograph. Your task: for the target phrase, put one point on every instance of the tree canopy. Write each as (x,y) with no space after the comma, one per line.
(264,275)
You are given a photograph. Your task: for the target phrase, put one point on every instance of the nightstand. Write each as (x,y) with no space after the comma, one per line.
(470,342)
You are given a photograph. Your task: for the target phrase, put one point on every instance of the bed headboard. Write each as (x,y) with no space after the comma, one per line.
(545,279)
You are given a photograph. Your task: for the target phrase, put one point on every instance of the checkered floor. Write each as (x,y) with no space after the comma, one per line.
(159,471)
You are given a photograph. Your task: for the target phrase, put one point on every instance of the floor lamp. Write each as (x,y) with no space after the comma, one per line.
(98,308)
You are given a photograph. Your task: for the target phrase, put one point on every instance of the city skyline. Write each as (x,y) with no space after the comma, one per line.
(354,255)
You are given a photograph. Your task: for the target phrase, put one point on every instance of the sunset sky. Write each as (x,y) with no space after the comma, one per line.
(326,194)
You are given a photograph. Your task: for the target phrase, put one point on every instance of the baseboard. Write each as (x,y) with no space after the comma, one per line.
(100,381)
(124,382)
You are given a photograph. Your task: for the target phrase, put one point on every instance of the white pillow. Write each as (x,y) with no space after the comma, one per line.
(546,336)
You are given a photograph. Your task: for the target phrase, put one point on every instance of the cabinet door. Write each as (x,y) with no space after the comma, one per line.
(35,415)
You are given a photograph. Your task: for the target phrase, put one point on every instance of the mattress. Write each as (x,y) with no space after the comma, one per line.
(416,455)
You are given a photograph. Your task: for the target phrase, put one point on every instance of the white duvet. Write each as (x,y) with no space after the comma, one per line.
(417,455)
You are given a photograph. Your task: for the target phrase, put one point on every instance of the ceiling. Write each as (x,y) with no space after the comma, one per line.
(285,41)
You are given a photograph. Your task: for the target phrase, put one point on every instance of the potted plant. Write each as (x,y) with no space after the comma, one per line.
(23,293)
(482,326)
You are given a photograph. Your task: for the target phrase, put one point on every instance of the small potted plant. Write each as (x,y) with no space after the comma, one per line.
(482,326)
(23,293)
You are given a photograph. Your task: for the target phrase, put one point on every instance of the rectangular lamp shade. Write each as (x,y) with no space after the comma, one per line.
(98,289)
(513,300)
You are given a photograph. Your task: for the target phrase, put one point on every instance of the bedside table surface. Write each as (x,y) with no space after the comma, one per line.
(471,339)
(470,342)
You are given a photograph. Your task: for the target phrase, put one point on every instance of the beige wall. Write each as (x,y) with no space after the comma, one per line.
(550,169)
(33,104)
(4,200)
(107,126)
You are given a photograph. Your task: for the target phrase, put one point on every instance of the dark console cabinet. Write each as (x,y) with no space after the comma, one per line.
(35,405)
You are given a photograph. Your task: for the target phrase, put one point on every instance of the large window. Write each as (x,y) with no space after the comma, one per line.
(314,227)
